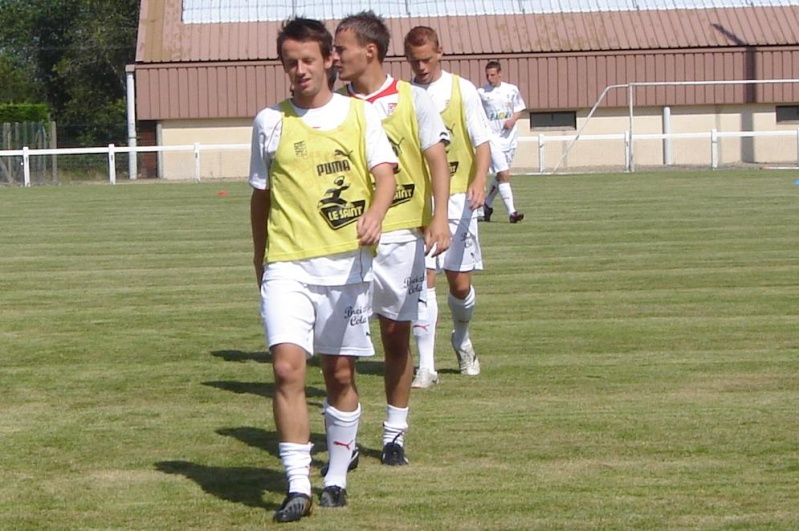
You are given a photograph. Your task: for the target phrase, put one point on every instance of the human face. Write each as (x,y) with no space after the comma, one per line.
(307,72)
(493,76)
(351,57)
(424,62)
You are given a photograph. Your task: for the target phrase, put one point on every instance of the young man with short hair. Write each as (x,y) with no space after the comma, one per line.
(457,101)
(410,229)
(322,173)
(503,106)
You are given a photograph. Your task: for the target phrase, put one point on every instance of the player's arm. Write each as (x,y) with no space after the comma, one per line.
(479,134)
(518,108)
(265,132)
(259,216)
(371,223)
(511,122)
(437,233)
(433,139)
(476,193)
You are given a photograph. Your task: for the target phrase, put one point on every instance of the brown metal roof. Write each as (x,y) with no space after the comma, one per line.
(163,38)
(559,61)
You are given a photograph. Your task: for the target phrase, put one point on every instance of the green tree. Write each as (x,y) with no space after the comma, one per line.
(17,84)
(75,52)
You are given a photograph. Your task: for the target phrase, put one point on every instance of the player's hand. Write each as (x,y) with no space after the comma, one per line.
(369,228)
(476,195)
(437,237)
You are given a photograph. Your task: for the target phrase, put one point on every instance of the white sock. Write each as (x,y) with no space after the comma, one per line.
(296,459)
(396,425)
(492,193)
(507,197)
(462,311)
(342,430)
(424,330)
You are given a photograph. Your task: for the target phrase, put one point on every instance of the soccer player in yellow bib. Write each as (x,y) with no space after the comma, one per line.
(469,156)
(322,174)
(410,229)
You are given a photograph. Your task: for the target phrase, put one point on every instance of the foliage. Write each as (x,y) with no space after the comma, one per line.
(637,335)
(75,52)
(17,82)
(23,112)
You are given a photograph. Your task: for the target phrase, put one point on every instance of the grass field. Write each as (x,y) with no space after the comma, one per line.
(639,338)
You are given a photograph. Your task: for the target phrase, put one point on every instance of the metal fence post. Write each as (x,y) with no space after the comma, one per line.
(26,166)
(627,152)
(112,165)
(714,149)
(197,162)
(540,153)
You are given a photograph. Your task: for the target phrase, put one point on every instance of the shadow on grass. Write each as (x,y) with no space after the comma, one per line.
(268,442)
(244,485)
(264,389)
(367,366)
(241,356)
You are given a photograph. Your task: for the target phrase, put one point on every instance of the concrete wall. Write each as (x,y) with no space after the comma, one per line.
(586,153)
(214,164)
(583,155)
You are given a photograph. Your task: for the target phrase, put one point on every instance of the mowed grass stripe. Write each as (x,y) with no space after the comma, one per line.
(637,335)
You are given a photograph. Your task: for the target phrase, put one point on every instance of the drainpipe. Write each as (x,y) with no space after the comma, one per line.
(133,168)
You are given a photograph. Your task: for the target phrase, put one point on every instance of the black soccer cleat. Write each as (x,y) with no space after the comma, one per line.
(487,213)
(296,505)
(354,460)
(393,454)
(516,217)
(333,496)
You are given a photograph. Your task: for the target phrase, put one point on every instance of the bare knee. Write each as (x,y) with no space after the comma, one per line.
(503,177)
(460,283)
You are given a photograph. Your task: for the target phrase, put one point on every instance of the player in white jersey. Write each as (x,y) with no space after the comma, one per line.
(322,174)
(410,229)
(468,155)
(503,106)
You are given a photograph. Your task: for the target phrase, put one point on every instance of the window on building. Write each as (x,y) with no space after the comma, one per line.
(543,121)
(787,113)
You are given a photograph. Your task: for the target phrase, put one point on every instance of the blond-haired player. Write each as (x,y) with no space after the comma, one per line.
(468,154)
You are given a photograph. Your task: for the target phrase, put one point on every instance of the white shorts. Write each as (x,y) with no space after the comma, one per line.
(399,280)
(464,249)
(321,319)
(500,159)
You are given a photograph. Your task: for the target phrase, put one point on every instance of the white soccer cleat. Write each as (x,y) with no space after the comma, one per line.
(425,379)
(467,359)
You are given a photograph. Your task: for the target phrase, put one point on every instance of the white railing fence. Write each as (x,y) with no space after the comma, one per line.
(631,88)
(554,150)
(198,162)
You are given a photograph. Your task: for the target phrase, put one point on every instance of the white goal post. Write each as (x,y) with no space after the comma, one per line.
(630,146)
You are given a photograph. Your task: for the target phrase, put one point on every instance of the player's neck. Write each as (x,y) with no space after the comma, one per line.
(320,99)
(370,81)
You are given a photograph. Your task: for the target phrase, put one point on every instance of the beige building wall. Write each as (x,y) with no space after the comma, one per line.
(214,164)
(583,154)
(587,153)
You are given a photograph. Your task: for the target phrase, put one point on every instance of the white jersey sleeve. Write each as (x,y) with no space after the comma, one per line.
(518,102)
(431,126)
(266,129)
(476,120)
